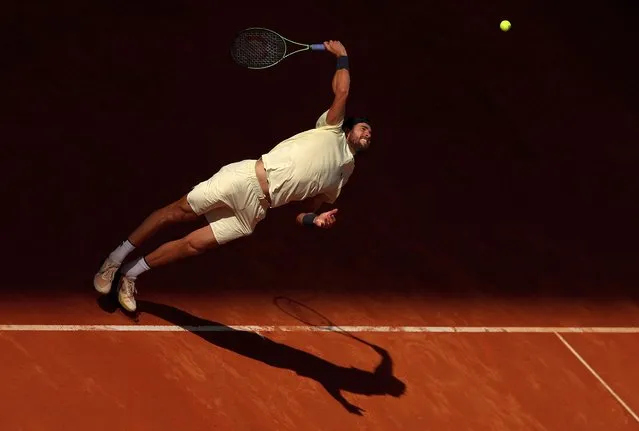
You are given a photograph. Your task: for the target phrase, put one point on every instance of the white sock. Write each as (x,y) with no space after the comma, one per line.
(135,268)
(119,254)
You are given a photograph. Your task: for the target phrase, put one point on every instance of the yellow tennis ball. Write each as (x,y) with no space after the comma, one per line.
(504,25)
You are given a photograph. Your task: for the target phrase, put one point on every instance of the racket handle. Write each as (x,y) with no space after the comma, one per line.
(318,47)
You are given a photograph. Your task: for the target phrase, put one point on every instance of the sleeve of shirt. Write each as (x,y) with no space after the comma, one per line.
(321,122)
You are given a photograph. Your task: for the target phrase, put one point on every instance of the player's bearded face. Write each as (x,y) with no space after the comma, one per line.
(360,136)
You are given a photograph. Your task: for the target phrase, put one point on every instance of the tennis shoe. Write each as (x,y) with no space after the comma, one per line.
(126,293)
(103,280)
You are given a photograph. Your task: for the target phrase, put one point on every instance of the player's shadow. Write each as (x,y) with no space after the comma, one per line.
(334,378)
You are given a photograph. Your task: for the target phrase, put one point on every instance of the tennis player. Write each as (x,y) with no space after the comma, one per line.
(311,167)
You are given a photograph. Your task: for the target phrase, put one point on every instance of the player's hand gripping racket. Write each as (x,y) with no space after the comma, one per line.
(307,315)
(260,48)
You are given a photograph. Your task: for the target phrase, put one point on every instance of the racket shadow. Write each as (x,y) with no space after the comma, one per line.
(334,378)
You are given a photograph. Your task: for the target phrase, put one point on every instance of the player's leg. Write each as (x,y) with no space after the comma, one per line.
(237,185)
(175,212)
(224,226)
(187,208)
(193,244)
(178,211)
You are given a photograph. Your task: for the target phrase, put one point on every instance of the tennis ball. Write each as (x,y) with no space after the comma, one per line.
(504,25)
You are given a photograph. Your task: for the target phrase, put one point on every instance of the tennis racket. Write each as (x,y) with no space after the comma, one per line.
(307,315)
(260,48)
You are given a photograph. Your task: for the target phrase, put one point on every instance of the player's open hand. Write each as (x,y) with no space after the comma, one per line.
(326,220)
(335,47)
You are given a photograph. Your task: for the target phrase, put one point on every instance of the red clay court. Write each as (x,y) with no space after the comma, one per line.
(485,247)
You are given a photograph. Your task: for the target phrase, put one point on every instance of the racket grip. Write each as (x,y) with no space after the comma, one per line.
(318,47)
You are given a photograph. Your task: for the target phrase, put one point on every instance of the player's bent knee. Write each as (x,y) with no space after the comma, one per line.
(180,210)
(201,240)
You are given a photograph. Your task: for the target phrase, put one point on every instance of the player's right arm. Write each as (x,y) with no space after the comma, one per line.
(341,83)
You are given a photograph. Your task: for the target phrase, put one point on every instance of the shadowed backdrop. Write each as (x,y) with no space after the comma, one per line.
(502,163)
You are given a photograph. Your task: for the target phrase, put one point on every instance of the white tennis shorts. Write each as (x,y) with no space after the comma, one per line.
(231,200)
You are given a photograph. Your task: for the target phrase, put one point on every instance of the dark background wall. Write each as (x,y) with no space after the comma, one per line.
(503,163)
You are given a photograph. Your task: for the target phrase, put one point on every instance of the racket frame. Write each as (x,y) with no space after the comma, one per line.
(303,46)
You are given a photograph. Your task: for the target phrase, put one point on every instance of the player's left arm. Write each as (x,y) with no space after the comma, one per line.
(341,83)
(311,206)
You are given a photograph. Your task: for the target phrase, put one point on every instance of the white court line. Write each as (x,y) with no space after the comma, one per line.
(280,328)
(598,377)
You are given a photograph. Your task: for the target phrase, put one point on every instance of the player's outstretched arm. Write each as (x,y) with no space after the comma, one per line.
(308,217)
(341,82)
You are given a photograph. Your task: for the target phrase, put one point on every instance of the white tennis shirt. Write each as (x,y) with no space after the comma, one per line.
(316,161)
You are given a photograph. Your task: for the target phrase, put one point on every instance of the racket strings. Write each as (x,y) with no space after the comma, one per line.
(258,48)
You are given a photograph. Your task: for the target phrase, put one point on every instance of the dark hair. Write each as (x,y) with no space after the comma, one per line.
(351,122)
